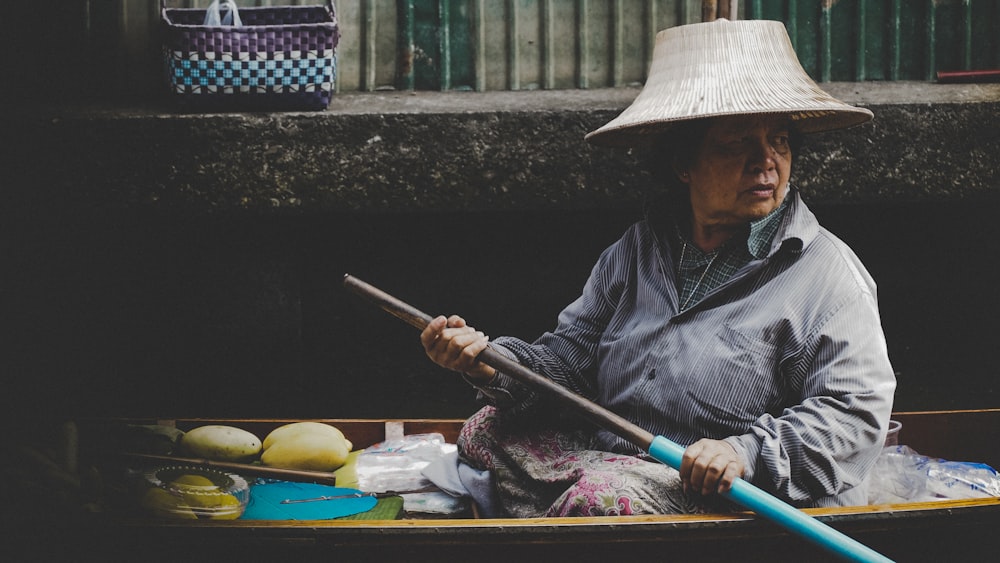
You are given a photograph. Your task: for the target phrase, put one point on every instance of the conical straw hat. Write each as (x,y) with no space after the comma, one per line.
(725,68)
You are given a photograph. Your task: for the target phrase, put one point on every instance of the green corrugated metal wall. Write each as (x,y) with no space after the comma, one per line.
(560,44)
(857,40)
(526,44)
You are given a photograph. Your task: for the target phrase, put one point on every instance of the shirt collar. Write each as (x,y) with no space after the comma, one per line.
(759,235)
(762,230)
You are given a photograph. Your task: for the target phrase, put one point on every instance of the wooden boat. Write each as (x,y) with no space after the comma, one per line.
(924,531)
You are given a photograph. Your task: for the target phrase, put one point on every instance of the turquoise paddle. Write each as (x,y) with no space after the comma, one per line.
(660,448)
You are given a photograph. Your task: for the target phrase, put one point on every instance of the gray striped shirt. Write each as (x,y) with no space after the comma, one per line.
(786,360)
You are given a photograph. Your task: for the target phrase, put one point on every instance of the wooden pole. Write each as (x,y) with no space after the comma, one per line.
(297,475)
(709,10)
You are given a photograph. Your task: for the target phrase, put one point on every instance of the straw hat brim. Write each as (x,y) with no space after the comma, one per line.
(725,68)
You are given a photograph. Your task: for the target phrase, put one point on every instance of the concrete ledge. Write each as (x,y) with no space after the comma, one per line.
(469,151)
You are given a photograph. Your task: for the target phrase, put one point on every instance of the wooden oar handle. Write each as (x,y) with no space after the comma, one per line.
(491,357)
(408,314)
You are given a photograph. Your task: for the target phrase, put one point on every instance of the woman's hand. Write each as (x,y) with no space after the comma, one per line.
(452,344)
(710,466)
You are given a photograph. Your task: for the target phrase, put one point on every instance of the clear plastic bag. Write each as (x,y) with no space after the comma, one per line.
(903,475)
(396,466)
(435,502)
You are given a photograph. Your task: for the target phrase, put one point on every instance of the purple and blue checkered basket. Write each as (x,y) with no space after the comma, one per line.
(282,58)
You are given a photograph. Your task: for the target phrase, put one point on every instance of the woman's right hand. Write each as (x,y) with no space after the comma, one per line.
(452,344)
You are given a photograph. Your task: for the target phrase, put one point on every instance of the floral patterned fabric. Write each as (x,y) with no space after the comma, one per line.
(553,471)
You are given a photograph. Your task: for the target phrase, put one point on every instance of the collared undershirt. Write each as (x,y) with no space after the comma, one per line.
(700,272)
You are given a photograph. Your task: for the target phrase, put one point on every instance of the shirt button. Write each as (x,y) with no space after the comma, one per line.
(652,374)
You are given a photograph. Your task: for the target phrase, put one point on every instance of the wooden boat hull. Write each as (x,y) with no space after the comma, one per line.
(941,531)
(944,530)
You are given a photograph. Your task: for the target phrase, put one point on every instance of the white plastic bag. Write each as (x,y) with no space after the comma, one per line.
(397,466)
(214,17)
(903,475)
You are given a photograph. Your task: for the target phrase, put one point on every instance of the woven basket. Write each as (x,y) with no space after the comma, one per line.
(282,58)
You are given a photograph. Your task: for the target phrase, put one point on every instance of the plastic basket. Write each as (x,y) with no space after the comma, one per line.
(283,58)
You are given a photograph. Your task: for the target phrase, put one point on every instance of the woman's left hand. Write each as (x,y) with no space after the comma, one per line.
(710,466)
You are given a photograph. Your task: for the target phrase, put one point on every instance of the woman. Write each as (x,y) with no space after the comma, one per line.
(728,319)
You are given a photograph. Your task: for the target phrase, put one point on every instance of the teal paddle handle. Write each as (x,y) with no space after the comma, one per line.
(783,514)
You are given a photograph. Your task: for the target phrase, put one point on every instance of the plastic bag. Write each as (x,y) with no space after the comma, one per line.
(396,466)
(903,475)
(434,502)
(214,17)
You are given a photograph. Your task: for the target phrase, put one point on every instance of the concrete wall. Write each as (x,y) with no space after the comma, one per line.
(166,264)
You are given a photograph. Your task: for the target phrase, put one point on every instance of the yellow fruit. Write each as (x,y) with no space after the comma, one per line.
(298,428)
(207,500)
(193,480)
(221,443)
(227,507)
(197,491)
(307,445)
(164,503)
(200,496)
(307,451)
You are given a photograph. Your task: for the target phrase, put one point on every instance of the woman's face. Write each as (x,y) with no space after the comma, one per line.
(740,171)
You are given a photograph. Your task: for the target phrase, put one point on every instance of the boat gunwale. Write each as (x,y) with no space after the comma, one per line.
(378,429)
(830,515)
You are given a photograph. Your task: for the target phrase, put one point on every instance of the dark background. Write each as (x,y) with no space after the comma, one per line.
(142,313)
